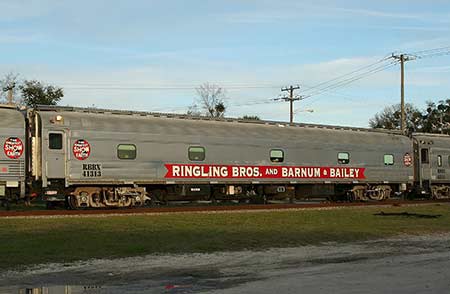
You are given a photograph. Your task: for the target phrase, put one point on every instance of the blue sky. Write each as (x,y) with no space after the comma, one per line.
(118,54)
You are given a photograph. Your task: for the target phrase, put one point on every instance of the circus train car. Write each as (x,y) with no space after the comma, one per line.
(432,165)
(13,155)
(102,158)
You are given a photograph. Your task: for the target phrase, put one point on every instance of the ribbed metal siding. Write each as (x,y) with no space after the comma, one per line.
(15,170)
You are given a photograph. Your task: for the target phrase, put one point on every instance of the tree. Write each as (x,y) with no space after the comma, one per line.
(9,82)
(250,117)
(390,117)
(437,117)
(35,93)
(210,101)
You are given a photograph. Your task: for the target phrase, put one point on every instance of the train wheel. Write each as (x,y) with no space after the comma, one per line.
(71,202)
(213,200)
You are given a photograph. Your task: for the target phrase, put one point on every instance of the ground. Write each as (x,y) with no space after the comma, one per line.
(401,264)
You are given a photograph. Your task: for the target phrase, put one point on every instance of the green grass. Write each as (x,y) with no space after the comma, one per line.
(40,240)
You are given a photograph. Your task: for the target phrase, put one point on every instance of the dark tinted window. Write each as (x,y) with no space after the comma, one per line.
(424,155)
(276,155)
(196,153)
(55,141)
(126,151)
(343,157)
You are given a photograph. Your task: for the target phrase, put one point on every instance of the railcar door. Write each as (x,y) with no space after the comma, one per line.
(425,169)
(417,165)
(56,155)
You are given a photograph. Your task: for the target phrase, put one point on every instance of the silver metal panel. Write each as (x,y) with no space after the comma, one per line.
(12,124)
(161,140)
(55,159)
(437,145)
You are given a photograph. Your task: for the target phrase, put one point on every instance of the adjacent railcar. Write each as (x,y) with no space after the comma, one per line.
(432,166)
(107,158)
(13,155)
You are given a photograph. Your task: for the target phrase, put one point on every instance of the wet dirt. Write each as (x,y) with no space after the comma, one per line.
(407,264)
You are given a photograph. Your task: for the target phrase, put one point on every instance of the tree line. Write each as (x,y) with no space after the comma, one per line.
(434,118)
(28,92)
(211,101)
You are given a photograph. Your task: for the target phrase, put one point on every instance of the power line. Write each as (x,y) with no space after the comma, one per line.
(402,58)
(347,81)
(431,51)
(318,89)
(340,84)
(347,74)
(162,88)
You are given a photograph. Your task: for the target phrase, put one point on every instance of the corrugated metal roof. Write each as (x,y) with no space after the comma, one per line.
(191,117)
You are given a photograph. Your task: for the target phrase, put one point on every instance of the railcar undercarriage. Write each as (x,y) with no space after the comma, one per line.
(127,197)
(440,192)
(367,192)
(107,197)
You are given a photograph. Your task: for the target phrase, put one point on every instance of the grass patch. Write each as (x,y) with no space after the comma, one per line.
(32,241)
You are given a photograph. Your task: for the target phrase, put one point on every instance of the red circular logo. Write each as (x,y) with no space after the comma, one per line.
(81,149)
(13,147)
(407,159)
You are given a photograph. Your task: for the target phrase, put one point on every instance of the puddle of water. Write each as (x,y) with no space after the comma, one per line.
(57,290)
(135,289)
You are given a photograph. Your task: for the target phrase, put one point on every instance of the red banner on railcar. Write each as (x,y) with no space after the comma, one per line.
(205,171)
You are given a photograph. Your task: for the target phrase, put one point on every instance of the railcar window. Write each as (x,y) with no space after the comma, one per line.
(276,155)
(424,155)
(388,159)
(55,141)
(343,157)
(196,153)
(439,159)
(126,151)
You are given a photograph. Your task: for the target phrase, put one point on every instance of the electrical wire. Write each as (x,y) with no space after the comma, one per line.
(348,74)
(328,86)
(350,80)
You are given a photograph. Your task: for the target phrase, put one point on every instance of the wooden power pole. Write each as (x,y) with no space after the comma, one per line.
(291,100)
(402,58)
(10,96)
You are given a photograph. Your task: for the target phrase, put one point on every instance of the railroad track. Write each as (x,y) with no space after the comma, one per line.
(213,208)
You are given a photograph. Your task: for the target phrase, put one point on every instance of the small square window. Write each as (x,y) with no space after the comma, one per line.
(388,159)
(55,141)
(276,155)
(343,157)
(196,153)
(126,151)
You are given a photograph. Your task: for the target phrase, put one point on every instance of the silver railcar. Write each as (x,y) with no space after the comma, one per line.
(13,154)
(104,158)
(432,164)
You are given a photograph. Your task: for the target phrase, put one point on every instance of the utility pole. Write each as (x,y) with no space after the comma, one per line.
(10,96)
(291,100)
(402,58)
